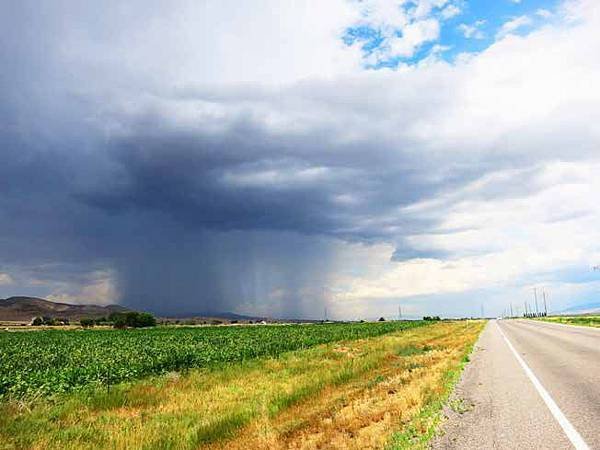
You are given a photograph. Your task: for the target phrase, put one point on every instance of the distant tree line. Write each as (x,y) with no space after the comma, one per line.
(130,319)
(199,321)
(431,318)
(45,320)
(533,315)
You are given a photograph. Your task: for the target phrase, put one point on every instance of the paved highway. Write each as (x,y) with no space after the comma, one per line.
(530,385)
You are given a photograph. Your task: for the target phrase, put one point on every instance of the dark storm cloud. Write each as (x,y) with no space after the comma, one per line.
(232,184)
(183,220)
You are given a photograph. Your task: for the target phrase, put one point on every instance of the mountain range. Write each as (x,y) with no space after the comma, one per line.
(23,309)
(20,309)
(583,308)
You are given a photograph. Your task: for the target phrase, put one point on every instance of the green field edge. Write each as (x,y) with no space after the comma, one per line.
(431,415)
(584,321)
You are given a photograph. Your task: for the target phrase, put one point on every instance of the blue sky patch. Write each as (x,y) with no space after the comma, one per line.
(463,27)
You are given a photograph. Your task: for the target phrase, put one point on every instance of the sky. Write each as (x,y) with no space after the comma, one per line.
(283,158)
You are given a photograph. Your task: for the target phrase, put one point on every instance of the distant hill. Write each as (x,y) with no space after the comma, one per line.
(229,317)
(584,308)
(215,315)
(23,309)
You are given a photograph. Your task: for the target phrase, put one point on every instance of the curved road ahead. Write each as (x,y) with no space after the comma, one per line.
(498,405)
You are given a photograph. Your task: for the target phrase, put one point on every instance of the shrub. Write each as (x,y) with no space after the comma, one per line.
(87,322)
(133,319)
(47,320)
(432,318)
(144,319)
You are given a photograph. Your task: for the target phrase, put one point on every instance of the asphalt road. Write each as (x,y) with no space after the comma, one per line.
(497,404)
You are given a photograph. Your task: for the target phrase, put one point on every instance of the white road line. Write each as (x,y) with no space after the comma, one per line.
(569,429)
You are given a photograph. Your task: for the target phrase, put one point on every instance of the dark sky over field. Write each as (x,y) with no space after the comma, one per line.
(209,156)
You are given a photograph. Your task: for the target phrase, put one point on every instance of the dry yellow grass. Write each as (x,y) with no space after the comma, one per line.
(345,395)
(364,412)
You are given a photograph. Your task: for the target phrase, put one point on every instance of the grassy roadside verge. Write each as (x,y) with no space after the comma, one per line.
(353,394)
(585,321)
(422,428)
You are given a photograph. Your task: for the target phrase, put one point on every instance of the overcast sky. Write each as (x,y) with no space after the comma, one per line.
(277,158)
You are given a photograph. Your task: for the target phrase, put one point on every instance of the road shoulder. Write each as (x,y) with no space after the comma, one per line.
(495,405)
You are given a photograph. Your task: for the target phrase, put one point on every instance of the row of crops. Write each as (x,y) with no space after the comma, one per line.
(58,361)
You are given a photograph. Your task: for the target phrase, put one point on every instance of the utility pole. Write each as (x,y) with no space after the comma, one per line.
(325,313)
(511,311)
(525,305)
(536,303)
(399,312)
(545,304)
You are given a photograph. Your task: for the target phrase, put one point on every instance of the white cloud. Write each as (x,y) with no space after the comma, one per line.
(219,42)
(437,49)
(473,31)
(98,289)
(504,240)
(450,11)
(413,36)
(5,279)
(425,7)
(513,25)
(543,13)
(278,178)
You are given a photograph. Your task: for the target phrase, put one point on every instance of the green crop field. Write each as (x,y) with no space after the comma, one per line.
(42,363)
